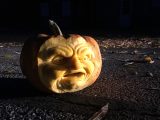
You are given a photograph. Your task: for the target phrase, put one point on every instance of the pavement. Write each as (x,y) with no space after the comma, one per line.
(128,83)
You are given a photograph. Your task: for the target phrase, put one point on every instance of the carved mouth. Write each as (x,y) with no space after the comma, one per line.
(74,74)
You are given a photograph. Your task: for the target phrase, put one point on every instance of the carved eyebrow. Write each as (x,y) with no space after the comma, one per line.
(83,49)
(47,53)
(65,51)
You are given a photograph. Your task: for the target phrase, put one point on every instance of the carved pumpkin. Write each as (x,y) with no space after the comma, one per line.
(59,64)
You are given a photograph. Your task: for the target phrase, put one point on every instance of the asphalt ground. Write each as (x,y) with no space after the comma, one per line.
(129,83)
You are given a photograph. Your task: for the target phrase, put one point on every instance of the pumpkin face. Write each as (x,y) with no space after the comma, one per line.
(64,64)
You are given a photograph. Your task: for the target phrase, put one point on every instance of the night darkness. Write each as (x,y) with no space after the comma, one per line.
(128,35)
(104,15)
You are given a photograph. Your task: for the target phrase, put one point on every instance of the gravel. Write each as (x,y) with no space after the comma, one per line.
(132,91)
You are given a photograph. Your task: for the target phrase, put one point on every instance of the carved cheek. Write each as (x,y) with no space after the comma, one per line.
(48,73)
(89,67)
(88,63)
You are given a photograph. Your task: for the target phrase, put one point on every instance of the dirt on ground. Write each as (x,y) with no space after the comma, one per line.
(129,82)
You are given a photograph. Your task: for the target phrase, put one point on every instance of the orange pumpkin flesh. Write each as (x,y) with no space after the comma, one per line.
(58,64)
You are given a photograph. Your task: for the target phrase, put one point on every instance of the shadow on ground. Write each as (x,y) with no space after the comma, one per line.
(17,87)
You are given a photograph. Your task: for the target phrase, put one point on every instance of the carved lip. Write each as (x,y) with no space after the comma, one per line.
(75,73)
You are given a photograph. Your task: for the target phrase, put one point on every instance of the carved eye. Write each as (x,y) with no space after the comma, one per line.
(87,57)
(58,59)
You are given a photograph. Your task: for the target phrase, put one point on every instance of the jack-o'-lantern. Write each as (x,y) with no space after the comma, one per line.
(60,64)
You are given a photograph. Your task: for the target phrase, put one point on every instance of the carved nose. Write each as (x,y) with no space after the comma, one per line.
(75,63)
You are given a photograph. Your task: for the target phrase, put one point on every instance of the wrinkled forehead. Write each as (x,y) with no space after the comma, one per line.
(60,40)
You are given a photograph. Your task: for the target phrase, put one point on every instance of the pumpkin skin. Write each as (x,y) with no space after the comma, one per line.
(58,64)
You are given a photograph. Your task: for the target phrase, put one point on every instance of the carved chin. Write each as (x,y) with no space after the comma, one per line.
(70,82)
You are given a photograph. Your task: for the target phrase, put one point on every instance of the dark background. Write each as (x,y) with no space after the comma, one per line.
(132,90)
(95,15)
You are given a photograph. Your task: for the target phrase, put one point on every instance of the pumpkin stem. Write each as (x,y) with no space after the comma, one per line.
(55,28)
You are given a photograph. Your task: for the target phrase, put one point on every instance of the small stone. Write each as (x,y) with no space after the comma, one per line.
(150,74)
(148,59)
